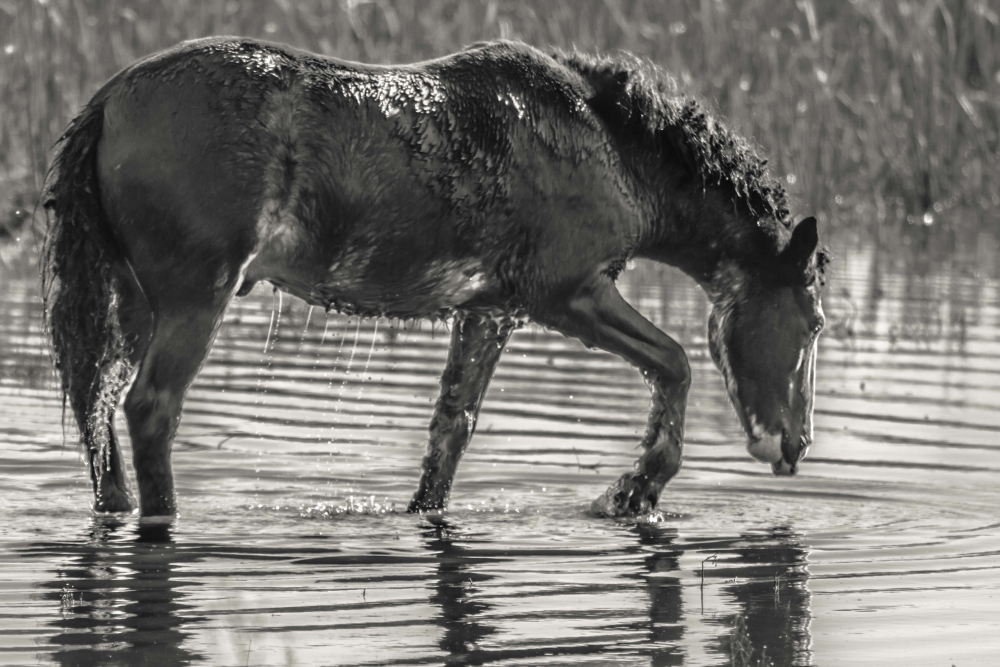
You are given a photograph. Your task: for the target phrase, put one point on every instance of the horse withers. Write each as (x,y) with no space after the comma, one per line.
(492,186)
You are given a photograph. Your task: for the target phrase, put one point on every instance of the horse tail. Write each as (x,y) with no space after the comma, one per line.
(82,269)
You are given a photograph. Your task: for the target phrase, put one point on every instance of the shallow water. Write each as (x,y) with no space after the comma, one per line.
(294,466)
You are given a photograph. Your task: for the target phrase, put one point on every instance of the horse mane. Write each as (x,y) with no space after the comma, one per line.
(637,99)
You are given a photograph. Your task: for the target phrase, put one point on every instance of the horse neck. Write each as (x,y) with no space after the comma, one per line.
(695,228)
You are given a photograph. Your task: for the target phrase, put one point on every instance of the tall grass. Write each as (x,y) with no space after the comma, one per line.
(874,109)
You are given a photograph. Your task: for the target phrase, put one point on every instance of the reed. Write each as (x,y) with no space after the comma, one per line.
(740,646)
(873,111)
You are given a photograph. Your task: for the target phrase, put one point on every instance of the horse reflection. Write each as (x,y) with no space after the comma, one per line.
(767,576)
(666,608)
(457,578)
(119,599)
(472,625)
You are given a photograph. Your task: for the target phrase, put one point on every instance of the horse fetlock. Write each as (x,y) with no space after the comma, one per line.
(159,502)
(419,505)
(155,480)
(434,487)
(431,495)
(662,462)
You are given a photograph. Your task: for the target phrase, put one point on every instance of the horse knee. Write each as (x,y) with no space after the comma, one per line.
(683,372)
(674,370)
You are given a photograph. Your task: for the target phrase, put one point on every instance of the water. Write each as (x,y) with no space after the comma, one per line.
(293,548)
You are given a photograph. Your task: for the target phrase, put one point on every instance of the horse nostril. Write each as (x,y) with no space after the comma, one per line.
(804,443)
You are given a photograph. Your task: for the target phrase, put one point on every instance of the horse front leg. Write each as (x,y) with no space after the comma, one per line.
(637,492)
(476,346)
(596,313)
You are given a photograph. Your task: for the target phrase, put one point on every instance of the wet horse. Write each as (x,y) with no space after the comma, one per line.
(493,186)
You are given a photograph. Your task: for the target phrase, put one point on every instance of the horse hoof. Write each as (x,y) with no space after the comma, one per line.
(627,497)
(605,507)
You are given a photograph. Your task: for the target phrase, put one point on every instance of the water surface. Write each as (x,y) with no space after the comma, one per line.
(294,465)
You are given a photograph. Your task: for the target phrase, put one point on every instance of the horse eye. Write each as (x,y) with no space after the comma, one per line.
(818,326)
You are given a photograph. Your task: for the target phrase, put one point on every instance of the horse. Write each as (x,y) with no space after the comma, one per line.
(493,186)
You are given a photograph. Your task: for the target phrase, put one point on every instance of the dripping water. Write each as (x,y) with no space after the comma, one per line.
(305,331)
(364,373)
(347,372)
(264,374)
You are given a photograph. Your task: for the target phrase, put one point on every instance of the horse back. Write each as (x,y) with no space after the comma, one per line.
(472,180)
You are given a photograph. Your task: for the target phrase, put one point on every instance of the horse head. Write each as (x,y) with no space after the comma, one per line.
(762,336)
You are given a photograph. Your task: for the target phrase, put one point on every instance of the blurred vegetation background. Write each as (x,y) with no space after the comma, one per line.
(876,112)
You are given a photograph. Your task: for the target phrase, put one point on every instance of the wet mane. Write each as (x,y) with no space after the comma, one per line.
(638,100)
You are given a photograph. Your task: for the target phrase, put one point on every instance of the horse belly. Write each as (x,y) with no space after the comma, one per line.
(434,289)
(355,280)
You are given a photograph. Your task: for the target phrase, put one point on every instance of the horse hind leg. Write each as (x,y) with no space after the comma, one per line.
(596,314)
(476,346)
(182,335)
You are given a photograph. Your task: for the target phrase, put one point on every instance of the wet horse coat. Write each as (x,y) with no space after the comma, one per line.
(495,185)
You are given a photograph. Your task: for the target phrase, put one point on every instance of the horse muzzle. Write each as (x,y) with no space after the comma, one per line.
(784,469)
(780,451)
(791,454)
(766,449)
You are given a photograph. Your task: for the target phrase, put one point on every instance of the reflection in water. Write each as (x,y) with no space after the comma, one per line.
(118,597)
(463,590)
(455,593)
(766,576)
(666,611)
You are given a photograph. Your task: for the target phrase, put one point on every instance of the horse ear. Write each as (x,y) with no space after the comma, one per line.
(803,243)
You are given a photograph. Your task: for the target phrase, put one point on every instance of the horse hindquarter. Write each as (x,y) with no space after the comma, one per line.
(180,201)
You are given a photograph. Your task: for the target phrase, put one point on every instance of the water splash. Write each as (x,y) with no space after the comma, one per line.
(354,505)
